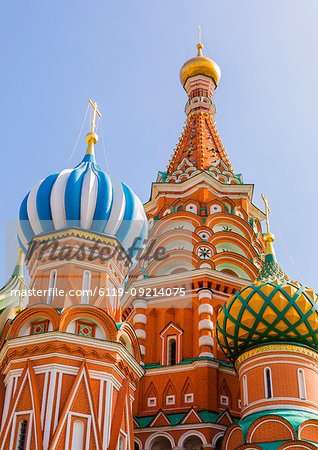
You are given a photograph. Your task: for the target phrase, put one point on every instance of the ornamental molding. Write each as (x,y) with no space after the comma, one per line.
(71,232)
(72,343)
(273,348)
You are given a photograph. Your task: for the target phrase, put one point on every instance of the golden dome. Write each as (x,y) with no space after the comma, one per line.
(200,65)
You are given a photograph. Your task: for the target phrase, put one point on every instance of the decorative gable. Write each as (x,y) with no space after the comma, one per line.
(171,348)
(160,420)
(191,417)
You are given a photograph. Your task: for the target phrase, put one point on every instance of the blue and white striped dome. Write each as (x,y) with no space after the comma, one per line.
(84,197)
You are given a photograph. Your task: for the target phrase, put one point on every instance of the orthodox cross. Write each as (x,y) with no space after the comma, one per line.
(95,111)
(200,33)
(268,211)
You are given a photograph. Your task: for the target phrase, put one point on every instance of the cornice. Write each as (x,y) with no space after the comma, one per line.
(276,348)
(73,339)
(183,278)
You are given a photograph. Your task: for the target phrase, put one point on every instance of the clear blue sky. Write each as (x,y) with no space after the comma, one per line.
(126,55)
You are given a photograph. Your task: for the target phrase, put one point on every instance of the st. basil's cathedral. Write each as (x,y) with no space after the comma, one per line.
(164,326)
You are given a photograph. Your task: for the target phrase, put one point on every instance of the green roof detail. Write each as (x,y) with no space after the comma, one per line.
(189,361)
(175,419)
(294,417)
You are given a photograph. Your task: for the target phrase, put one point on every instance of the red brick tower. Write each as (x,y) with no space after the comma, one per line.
(202,214)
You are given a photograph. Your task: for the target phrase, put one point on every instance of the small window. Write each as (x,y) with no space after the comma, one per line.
(22,433)
(192,208)
(152,401)
(188,398)
(215,209)
(268,383)
(86,329)
(245,391)
(78,435)
(301,384)
(86,286)
(170,400)
(39,327)
(121,443)
(179,208)
(52,285)
(172,351)
(239,404)
(224,400)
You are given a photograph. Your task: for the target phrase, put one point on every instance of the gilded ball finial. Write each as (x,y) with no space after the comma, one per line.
(91,138)
(269,237)
(199,48)
(17,310)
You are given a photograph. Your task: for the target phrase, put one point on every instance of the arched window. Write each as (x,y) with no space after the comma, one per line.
(22,433)
(245,391)
(86,286)
(268,383)
(172,351)
(218,444)
(121,443)
(301,384)
(77,435)
(52,284)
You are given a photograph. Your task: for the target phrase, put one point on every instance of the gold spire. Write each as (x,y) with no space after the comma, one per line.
(268,236)
(91,137)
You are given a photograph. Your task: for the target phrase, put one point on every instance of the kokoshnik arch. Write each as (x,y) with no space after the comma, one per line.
(210,346)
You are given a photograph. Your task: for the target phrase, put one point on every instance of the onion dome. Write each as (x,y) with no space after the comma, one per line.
(12,298)
(200,65)
(272,309)
(83,197)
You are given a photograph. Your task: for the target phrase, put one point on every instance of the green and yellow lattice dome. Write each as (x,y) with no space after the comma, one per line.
(272,309)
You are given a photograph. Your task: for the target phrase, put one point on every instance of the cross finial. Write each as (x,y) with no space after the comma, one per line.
(268,212)
(200,33)
(95,111)
(199,46)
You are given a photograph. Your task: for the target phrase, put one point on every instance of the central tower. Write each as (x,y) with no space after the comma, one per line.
(201,213)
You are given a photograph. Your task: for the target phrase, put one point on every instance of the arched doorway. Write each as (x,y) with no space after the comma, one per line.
(160,443)
(192,443)
(218,444)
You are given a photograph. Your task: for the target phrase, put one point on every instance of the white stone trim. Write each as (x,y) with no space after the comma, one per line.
(140,303)
(192,433)
(206,354)
(142,350)
(159,434)
(205,308)
(205,293)
(140,318)
(141,334)
(250,409)
(205,324)
(206,340)
(269,419)
(58,336)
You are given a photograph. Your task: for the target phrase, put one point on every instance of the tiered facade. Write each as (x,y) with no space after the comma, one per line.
(201,341)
